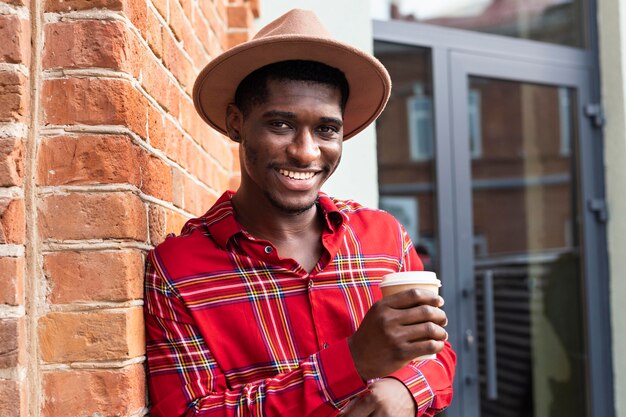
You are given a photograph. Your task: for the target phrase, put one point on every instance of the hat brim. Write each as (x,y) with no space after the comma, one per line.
(368,79)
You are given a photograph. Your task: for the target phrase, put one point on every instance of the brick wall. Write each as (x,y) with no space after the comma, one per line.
(101,155)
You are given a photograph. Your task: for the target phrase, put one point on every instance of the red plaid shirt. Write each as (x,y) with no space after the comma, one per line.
(235,330)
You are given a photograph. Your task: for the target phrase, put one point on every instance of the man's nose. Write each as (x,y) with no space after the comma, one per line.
(303,148)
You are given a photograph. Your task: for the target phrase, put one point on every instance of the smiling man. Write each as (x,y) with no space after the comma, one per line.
(268,305)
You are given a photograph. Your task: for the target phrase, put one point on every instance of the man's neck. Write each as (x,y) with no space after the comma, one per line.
(265,221)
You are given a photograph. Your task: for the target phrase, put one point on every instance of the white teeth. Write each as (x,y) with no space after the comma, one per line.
(296,175)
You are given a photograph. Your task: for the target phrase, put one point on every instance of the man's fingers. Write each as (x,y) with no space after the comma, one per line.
(424,331)
(413,297)
(421,314)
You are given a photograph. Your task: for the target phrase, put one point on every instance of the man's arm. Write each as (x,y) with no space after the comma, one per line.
(185,380)
(398,329)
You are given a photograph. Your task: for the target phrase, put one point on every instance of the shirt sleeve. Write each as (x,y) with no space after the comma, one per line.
(185,380)
(430,381)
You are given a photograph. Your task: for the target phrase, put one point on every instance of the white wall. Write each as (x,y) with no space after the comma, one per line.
(348,21)
(612,28)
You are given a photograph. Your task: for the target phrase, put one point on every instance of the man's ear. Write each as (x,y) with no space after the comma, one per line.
(234,122)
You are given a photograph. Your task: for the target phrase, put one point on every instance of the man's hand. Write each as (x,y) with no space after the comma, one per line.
(388,397)
(396,330)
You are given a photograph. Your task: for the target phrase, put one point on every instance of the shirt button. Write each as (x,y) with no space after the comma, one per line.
(325,345)
(268,249)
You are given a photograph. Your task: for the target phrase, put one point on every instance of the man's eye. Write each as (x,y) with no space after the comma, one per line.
(329,132)
(279,124)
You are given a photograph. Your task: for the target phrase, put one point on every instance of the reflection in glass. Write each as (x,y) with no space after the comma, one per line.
(406,148)
(552,21)
(526,249)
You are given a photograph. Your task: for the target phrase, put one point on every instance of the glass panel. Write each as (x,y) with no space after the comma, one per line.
(406,147)
(552,21)
(527,249)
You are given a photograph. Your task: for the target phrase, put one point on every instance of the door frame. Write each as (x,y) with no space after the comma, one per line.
(456,55)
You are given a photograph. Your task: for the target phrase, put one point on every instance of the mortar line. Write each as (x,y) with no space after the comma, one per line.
(32,256)
(137,140)
(111,74)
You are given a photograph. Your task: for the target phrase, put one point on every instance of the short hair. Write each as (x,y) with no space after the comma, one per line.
(252,90)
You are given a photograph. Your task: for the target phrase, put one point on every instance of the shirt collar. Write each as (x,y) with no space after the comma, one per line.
(222,225)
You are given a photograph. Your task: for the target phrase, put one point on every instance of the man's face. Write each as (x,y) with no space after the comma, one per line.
(290,144)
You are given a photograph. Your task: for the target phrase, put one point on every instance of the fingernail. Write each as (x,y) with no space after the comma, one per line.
(441,301)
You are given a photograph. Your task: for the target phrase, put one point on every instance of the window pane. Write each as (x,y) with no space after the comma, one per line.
(552,21)
(406,147)
(527,251)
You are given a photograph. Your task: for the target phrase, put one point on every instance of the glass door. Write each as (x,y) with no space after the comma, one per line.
(519,139)
(488,156)
(526,249)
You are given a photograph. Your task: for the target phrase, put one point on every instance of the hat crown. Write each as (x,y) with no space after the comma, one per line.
(296,22)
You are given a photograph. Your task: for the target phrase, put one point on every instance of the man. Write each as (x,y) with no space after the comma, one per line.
(268,304)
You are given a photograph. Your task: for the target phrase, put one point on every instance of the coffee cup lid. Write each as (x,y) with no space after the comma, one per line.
(410,277)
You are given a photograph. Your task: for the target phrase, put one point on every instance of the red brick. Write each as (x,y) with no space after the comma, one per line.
(137,11)
(197,200)
(11,162)
(14,97)
(12,226)
(87,43)
(164,221)
(94,101)
(178,63)
(216,24)
(88,159)
(12,281)
(177,21)
(12,398)
(234,182)
(157,177)
(101,392)
(188,8)
(178,188)
(16,2)
(77,276)
(15,35)
(218,146)
(236,38)
(69,5)
(162,7)
(92,335)
(176,146)
(195,49)
(239,16)
(116,215)
(220,7)
(153,34)
(12,343)
(157,83)
(215,45)
(255,7)
(236,167)
(156,130)
(201,27)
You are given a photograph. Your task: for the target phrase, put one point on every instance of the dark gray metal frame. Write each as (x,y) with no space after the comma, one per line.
(456,55)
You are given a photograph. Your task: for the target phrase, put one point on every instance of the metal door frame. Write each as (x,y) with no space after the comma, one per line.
(456,55)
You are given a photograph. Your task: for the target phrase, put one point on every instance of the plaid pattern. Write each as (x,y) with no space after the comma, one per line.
(234,330)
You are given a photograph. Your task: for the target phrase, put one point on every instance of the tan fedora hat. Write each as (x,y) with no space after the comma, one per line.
(296,35)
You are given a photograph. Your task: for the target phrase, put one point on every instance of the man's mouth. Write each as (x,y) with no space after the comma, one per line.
(296,175)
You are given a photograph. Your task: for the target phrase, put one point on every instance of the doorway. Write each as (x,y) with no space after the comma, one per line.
(487,156)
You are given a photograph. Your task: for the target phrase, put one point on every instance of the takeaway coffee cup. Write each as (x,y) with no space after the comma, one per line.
(401,281)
